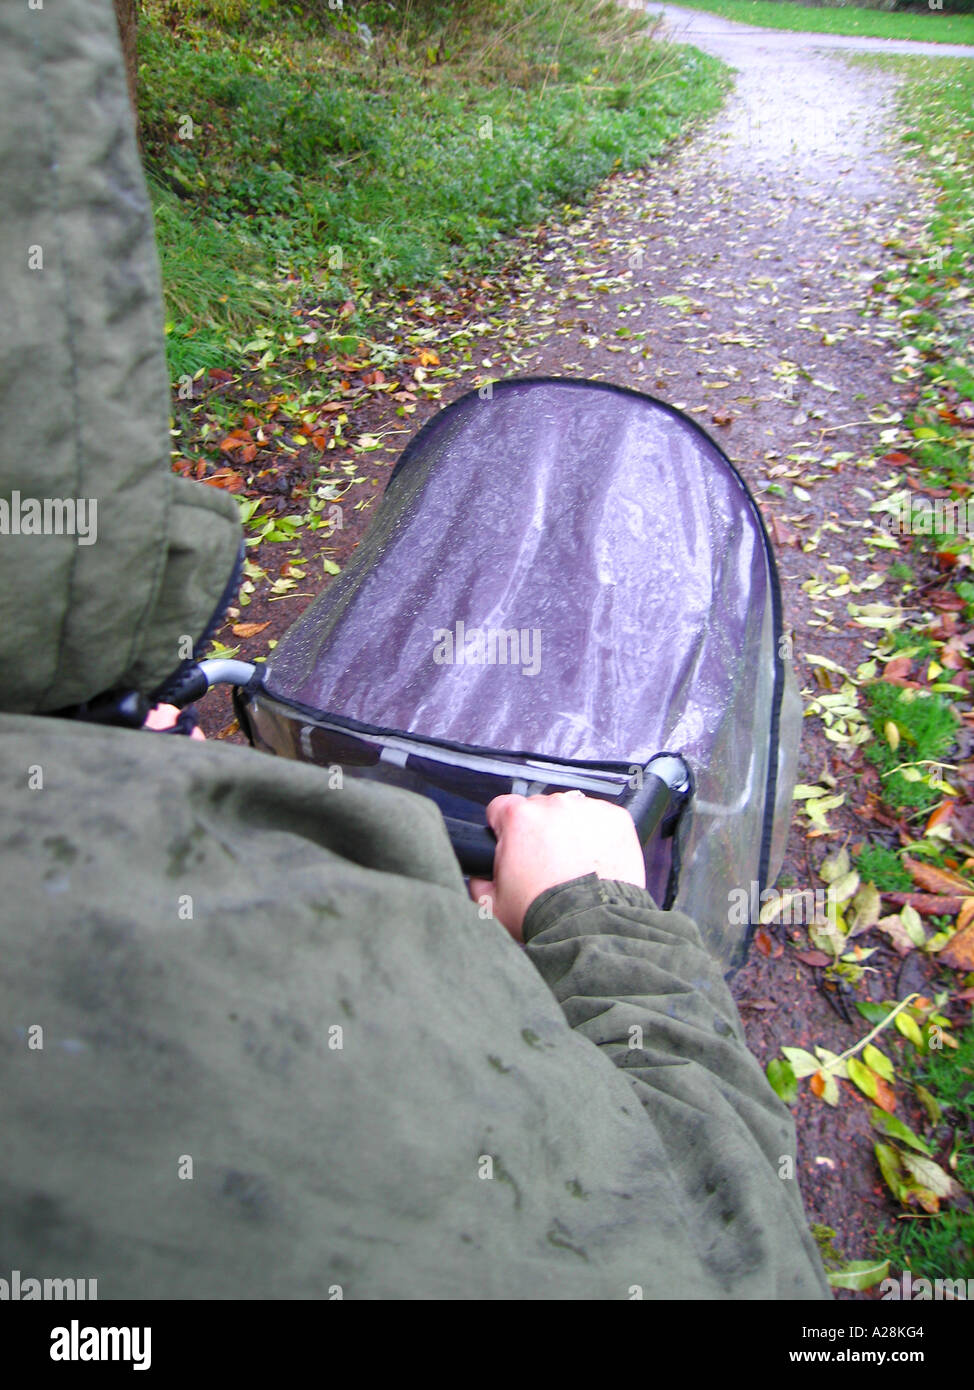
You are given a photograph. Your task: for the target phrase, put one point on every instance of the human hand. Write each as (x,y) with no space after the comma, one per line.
(164,717)
(546,840)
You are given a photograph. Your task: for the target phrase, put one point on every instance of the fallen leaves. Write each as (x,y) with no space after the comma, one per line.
(937,880)
(817,802)
(766,944)
(915,1180)
(900,939)
(226,478)
(239,442)
(859,1274)
(781,534)
(959,950)
(929,904)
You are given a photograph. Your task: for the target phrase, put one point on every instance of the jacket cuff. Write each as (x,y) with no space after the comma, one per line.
(578,895)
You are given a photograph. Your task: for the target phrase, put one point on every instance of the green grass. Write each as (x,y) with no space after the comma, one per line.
(927,727)
(928,295)
(931,26)
(883,867)
(942,1246)
(936,112)
(216,285)
(289,161)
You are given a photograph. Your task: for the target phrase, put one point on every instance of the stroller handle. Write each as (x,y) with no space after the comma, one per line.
(663,786)
(665,783)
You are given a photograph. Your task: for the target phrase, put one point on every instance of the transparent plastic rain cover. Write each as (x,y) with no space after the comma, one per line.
(572,569)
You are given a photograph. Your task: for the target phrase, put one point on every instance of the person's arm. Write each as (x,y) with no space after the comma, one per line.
(640,985)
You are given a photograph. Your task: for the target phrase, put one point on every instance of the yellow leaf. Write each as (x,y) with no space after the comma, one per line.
(844,887)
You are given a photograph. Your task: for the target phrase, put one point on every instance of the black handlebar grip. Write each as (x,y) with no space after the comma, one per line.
(191,685)
(474,847)
(649,805)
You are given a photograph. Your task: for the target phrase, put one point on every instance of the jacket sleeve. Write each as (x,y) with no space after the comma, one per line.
(639,984)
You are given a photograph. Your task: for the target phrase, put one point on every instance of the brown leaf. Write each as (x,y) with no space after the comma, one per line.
(928,904)
(248,629)
(946,601)
(943,812)
(885,1098)
(959,951)
(783,535)
(936,880)
(917,486)
(723,417)
(817,958)
(899,666)
(944,629)
(766,944)
(897,459)
(219,374)
(225,478)
(897,934)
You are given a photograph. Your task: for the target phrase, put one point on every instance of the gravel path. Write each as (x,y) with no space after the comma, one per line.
(727,39)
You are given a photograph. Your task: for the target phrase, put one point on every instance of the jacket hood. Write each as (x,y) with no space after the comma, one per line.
(111,566)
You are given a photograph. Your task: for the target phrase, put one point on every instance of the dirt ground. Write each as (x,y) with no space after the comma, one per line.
(765,233)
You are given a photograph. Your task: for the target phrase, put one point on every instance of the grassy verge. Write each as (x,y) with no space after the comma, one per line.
(915,725)
(931,26)
(308,158)
(940,1245)
(929,294)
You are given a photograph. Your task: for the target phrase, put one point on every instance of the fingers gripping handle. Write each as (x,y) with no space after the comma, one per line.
(665,781)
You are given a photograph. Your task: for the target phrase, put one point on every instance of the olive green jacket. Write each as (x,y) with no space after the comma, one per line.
(255,1040)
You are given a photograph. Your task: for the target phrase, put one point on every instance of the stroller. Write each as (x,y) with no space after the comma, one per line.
(567,585)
